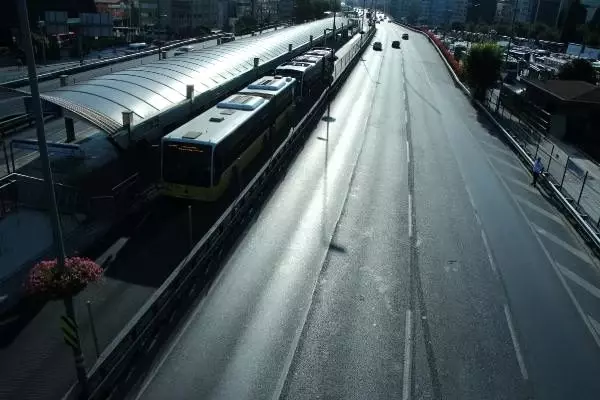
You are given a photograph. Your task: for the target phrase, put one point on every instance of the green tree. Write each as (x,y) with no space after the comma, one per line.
(482,67)
(578,70)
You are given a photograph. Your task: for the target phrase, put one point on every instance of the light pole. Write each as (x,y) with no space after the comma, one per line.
(512,29)
(43,148)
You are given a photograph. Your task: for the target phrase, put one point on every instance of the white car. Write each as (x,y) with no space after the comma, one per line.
(184,50)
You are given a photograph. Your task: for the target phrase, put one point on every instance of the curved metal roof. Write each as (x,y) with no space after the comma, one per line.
(149,89)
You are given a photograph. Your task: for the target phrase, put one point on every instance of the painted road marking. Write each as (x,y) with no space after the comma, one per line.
(595,324)
(408,345)
(579,253)
(489,251)
(410,227)
(524,185)
(407,152)
(515,341)
(497,148)
(552,262)
(591,289)
(507,163)
(539,209)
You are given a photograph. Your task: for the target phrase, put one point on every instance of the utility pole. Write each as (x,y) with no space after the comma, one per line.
(43,148)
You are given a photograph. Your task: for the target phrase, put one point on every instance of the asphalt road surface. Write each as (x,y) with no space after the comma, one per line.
(404,255)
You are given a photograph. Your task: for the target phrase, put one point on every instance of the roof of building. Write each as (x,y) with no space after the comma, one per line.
(577,91)
(152,88)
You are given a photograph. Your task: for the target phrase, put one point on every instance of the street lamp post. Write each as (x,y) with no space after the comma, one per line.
(43,148)
(512,29)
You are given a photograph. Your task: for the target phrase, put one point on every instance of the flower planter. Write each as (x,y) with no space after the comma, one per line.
(46,282)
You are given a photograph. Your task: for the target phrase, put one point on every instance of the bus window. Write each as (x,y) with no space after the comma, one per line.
(187,163)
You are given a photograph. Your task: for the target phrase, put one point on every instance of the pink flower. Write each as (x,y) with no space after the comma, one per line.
(46,280)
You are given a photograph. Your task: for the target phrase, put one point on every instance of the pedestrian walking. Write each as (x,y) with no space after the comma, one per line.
(538,168)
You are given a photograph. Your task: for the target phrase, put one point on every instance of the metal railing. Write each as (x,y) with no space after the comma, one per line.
(571,177)
(141,335)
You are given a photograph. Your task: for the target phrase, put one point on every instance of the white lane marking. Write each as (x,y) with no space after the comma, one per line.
(410,228)
(561,278)
(470,197)
(477,219)
(539,209)
(513,336)
(497,148)
(591,289)
(575,251)
(9,320)
(507,163)
(190,318)
(408,346)
(523,185)
(489,251)
(407,153)
(595,324)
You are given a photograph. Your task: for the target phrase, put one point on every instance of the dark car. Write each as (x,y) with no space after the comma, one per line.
(377,46)
(396,44)
(405,36)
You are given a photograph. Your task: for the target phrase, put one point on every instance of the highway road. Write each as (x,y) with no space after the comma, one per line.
(404,255)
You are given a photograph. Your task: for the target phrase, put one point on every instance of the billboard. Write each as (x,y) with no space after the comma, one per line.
(56,22)
(94,24)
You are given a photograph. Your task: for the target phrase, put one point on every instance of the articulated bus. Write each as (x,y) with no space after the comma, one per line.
(203,158)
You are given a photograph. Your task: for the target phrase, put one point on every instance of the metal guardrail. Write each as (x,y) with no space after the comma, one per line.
(141,335)
(17,83)
(579,219)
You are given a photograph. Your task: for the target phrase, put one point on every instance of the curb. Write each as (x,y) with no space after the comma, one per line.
(575,217)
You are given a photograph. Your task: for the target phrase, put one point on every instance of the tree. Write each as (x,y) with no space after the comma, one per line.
(572,19)
(482,67)
(578,70)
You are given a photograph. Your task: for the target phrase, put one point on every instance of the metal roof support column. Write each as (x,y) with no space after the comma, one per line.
(70,128)
(311,40)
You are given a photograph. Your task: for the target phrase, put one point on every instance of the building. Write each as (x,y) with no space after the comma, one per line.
(286,9)
(573,106)
(547,12)
(188,16)
(265,11)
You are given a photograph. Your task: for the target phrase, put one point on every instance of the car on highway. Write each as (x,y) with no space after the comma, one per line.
(405,36)
(377,46)
(396,44)
(184,50)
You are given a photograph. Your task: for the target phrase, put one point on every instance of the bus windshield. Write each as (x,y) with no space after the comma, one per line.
(186,163)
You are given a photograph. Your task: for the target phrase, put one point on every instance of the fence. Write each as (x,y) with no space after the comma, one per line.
(572,179)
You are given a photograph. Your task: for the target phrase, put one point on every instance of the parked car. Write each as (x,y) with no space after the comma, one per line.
(377,46)
(396,44)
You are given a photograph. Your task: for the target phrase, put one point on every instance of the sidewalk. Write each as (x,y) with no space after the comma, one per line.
(568,165)
(35,363)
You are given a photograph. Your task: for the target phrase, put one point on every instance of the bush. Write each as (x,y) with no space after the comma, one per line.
(46,281)
(482,67)
(578,70)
